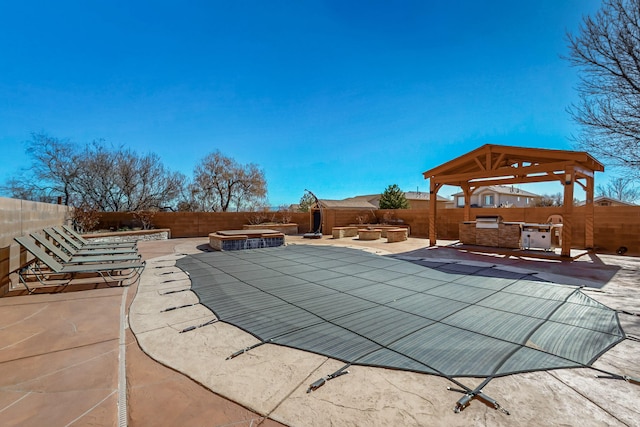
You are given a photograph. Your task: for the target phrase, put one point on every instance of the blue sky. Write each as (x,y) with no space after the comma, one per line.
(340,97)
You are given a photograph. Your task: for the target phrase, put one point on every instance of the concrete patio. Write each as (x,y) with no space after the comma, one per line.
(61,359)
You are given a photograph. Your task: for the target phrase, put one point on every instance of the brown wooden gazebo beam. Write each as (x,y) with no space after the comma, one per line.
(467,201)
(567,212)
(589,215)
(433,211)
(505,172)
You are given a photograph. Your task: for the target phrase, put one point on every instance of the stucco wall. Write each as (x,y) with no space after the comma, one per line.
(614,226)
(194,224)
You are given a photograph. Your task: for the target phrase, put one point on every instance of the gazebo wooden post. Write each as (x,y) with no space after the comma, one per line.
(467,202)
(589,214)
(567,212)
(433,209)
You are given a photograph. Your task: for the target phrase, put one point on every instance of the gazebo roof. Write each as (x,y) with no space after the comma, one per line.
(501,164)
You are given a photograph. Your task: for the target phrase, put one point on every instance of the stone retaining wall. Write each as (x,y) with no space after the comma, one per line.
(130,236)
(505,236)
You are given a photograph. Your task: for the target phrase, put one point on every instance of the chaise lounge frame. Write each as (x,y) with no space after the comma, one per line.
(49,272)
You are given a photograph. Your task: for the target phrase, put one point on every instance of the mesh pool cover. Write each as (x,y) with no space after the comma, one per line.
(446,319)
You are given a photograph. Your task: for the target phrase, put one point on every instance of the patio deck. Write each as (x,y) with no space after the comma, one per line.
(59,359)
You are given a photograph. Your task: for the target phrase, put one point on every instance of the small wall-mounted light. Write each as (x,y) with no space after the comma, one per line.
(567,179)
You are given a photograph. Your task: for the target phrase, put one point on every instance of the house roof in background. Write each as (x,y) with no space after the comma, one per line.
(351,203)
(607,199)
(503,189)
(422,195)
(372,201)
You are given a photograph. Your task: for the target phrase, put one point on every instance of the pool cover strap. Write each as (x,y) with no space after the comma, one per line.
(244,350)
(191,328)
(319,383)
(177,307)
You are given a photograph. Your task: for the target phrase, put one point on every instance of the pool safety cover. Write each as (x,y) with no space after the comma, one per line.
(443,318)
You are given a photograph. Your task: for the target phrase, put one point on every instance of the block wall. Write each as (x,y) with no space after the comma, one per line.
(194,224)
(17,218)
(614,226)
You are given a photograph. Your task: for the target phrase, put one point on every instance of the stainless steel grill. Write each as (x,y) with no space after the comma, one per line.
(536,236)
(488,221)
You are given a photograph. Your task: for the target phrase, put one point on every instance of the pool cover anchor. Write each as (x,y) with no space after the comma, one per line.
(477,393)
(469,396)
(322,381)
(246,349)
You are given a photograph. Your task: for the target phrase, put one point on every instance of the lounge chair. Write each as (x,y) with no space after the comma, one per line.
(65,258)
(88,243)
(49,272)
(65,244)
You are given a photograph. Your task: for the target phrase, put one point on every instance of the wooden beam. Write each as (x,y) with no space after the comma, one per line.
(479,163)
(584,186)
(583,172)
(589,215)
(503,172)
(518,180)
(567,212)
(536,154)
(433,211)
(467,202)
(517,154)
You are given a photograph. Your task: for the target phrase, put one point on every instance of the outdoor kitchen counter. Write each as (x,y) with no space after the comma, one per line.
(499,234)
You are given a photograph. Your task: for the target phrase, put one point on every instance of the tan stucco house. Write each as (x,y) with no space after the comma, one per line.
(417,200)
(494,196)
(607,201)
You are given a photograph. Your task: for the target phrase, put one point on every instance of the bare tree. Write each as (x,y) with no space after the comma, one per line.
(620,188)
(22,187)
(607,53)
(51,174)
(97,177)
(143,182)
(96,181)
(123,181)
(550,200)
(220,184)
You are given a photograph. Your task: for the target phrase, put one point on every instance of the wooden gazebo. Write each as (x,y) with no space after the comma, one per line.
(504,165)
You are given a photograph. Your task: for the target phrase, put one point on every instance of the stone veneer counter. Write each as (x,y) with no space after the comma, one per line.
(506,235)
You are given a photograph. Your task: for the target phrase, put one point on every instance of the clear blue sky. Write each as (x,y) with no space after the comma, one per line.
(340,97)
